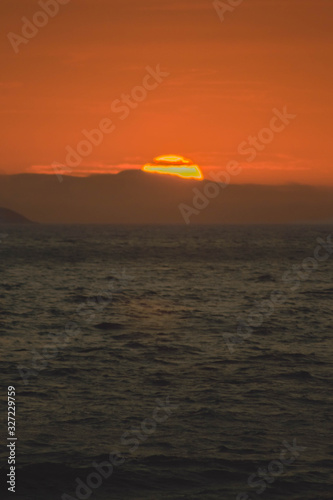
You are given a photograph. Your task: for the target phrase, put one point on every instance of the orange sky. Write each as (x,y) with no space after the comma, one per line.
(224,80)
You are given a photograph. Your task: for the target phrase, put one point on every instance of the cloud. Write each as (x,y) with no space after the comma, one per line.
(85,170)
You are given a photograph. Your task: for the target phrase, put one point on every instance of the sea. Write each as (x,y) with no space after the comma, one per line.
(167,362)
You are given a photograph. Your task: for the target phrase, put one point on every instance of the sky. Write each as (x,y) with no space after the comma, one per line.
(206,82)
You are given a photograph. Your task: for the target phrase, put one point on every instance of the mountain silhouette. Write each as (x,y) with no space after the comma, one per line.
(136,197)
(10,217)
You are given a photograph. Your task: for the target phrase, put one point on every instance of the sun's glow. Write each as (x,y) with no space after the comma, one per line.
(174,165)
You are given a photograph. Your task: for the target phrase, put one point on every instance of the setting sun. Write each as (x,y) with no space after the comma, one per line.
(174,165)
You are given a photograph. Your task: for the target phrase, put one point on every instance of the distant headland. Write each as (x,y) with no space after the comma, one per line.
(10,217)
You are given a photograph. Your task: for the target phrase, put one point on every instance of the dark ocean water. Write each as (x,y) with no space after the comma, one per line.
(109,323)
